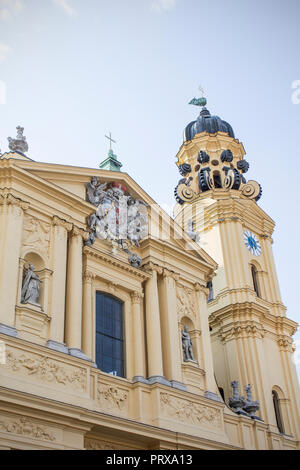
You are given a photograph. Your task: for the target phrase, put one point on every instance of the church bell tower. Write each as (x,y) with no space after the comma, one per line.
(251,335)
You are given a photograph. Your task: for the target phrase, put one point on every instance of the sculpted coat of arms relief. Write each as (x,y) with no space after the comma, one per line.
(120,218)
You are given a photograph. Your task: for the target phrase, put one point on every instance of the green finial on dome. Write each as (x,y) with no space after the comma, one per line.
(199,101)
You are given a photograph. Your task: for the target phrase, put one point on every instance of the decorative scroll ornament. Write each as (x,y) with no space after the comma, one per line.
(120,219)
(18,144)
(184,193)
(252,190)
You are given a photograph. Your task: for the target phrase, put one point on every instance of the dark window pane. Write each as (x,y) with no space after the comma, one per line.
(109,334)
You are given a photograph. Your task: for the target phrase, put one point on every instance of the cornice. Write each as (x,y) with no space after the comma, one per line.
(163,249)
(39,187)
(244,290)
(93,253)
(238,314)
(243,211)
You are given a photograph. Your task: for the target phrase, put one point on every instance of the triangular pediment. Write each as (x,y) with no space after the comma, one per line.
(72,181)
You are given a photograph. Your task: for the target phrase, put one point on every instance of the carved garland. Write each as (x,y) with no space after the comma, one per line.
(92,444)
(185,302)
(26,427)
(189,412)
(47,370)
(112,398)
(36,235)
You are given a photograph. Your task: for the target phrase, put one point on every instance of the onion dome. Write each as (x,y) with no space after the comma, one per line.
(206,122)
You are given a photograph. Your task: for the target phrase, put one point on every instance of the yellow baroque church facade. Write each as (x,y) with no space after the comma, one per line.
(123,328)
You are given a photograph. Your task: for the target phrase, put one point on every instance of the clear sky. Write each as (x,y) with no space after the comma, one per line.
(75,70)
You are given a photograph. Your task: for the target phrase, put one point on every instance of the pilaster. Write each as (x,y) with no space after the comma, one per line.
(171,345)
(211,387)
(87,314)
(12,213)
(73,330)
(153,326)
(138,337)
(57,325)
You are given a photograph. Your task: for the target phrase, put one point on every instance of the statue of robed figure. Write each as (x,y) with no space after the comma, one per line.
(31,287)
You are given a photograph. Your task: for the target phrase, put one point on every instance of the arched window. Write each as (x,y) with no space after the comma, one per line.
(110,334)
(255,280)
(277,411)
(211,291)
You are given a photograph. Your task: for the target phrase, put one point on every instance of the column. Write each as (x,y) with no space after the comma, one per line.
(88,332)
(138,337)
(208,366)
(45,278)
(171,346)
(22,263)
(12,213)
(74,294)
(153,328)
(57,325)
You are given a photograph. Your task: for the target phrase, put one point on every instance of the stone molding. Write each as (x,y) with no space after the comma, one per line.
(243,330)
(94,253)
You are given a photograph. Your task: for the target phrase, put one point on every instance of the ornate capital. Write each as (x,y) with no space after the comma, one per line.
(12,200)
(58,222)
(88,276)
(167,273)
(150,267)
(137,297)
(200,288)
(286,343)
(76,231)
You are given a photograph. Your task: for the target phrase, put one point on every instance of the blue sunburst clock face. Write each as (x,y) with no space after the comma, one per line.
(252,243)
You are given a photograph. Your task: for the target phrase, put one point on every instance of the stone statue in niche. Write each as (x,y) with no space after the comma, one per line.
(31,287)
(187,346)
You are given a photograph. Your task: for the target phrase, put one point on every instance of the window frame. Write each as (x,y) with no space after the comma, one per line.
(121,302)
